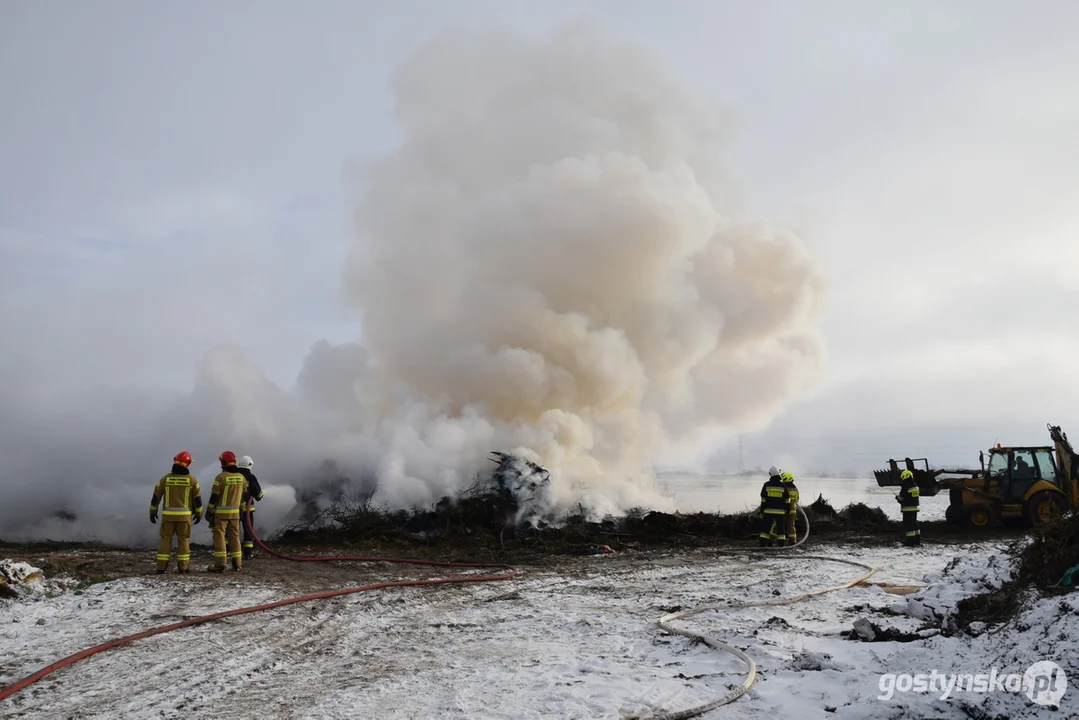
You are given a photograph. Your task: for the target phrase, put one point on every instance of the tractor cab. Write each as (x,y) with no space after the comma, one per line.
(1013,471)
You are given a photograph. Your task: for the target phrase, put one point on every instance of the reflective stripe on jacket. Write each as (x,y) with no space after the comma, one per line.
(908,496)
(180,496)
(229,489)
(254,490)
(774,497)
(792,491)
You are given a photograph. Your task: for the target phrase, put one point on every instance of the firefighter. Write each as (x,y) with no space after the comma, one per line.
(792,507)
(182,506)
(254,492)
(223,513)
(774,501)
(908,504)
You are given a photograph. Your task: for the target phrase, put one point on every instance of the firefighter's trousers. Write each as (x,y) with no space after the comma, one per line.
(912,535)
(227,533)
(182,530)
(772,527)
(248,542)
(792,517)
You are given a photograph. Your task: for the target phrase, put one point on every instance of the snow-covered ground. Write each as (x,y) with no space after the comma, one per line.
(573,641)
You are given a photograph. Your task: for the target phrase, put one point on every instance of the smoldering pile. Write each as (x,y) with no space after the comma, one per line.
(507,512)
(511,494)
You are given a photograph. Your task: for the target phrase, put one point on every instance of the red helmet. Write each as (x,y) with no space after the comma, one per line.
(228,458)
(182,458)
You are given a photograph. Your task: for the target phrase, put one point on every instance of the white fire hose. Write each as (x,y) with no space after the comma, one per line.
(751,667)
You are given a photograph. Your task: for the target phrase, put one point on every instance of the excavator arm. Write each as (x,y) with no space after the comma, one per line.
(1068,461)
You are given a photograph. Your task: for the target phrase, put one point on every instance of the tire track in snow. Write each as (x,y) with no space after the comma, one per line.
(345,645)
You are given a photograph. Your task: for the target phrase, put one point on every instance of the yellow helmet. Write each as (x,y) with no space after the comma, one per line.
(787,477)
(906,475)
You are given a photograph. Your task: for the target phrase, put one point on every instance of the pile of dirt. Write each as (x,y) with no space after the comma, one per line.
(1040,564)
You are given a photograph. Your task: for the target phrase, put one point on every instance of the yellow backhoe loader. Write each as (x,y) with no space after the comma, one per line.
(1034,484)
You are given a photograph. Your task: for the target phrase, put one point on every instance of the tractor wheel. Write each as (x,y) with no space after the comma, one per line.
(1044,508)
(982,517)
(954,515)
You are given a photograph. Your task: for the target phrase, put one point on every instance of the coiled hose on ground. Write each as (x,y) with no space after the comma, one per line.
(751,666)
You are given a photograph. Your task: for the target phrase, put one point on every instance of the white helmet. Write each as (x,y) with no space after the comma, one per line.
(246,461)
(772,471)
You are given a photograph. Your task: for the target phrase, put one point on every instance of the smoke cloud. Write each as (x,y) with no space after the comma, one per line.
(548,265)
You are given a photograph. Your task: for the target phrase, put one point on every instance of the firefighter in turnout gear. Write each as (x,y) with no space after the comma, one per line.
(182,506)
(792,507)
(224,513)
(253,492)
(774,502)
(908,504)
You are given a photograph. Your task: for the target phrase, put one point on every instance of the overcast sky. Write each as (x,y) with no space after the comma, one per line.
(175,175)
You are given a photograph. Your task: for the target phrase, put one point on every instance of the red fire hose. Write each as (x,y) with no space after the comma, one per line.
(511,571)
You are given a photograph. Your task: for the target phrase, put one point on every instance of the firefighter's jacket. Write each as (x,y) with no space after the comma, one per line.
(908,496)
(774,497)
(254,490)
(228,493)
(792,495)
(180,492)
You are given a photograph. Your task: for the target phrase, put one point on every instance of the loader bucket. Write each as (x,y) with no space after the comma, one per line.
(925,478)
(887,478)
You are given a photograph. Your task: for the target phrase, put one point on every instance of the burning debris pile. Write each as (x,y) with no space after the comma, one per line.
(511,508)
(522,484)
(512,497)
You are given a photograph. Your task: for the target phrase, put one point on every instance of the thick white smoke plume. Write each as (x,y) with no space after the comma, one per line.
(544,266)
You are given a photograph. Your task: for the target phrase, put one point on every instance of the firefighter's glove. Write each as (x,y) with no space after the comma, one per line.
(153,517)
(210,516)
(196,519)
